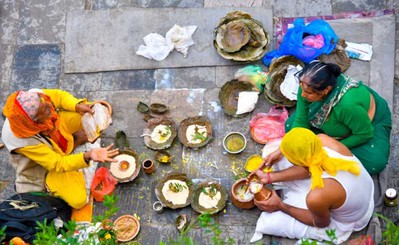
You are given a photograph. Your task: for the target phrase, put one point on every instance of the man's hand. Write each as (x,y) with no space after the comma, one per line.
(273,204)
(104,154)
(258,175)
(83,108)
(270,159)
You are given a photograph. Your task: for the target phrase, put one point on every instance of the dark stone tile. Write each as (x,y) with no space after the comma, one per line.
(36,66)
(81,82)
(128,80)
(168,4)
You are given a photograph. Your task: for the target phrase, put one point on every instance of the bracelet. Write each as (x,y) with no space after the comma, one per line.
(269,181)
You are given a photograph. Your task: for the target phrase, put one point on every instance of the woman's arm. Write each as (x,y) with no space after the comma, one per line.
(301,112)
(355,117)
(63,99)
(52,161)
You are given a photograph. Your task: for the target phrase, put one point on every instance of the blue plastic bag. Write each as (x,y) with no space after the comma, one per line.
(292,42)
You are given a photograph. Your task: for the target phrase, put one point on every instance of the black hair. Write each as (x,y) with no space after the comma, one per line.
(320,74)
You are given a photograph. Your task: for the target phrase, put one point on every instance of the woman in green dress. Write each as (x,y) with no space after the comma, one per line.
(334,104)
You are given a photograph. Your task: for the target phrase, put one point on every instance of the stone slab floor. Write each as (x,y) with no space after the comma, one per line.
(32,45)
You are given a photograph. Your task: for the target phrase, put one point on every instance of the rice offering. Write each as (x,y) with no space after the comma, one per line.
(209,197)
(125,166)
(196,134)
(175,191)
(243,194)
(255,187)
(161,133)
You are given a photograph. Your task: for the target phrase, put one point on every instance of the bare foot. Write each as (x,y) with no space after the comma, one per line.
(79,138)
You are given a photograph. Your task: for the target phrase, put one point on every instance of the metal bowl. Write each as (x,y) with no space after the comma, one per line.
(234,142)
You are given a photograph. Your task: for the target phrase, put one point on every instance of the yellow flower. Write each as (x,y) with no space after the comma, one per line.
(107,236)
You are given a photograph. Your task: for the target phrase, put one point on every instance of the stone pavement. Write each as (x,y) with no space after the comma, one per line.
(32,55)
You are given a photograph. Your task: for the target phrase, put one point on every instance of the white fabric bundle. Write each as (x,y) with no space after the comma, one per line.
(158,47)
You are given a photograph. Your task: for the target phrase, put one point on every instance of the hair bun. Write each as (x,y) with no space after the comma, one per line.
(334,68)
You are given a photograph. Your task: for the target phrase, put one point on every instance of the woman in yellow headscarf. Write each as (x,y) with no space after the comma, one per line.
(338,195)
(308,152)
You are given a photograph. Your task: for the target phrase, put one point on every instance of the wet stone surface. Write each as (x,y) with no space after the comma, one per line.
(36,66)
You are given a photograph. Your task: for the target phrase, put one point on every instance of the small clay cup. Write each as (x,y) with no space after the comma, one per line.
(148,166)
(263,194)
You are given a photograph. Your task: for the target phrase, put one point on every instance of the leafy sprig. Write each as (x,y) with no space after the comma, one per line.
(176,187)
(210,191)
(198,135)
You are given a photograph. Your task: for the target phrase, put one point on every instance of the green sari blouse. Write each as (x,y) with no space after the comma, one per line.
(343,116)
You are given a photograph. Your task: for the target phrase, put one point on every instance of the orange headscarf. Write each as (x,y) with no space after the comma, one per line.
(303,148)
(24,127)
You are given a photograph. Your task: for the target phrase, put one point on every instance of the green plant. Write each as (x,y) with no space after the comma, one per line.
(206,222)
(49,234)
(2,234)
(391,233)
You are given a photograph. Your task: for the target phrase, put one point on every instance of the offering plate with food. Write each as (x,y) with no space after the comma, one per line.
(209,197)
(126,227)
(195,132)
(174,191)
(159,133)
(127,167)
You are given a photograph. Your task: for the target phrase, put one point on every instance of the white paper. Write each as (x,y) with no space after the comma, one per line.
(363,50)
(289,87)
(246,101)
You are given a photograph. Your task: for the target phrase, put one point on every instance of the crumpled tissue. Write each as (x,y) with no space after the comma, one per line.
(180,37)
(158,47)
